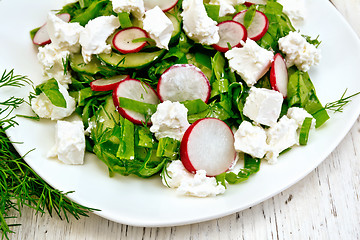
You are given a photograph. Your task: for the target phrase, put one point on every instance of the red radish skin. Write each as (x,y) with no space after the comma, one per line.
(164,5)
(107,84)
(279,75)
(122,40)
(258,27)
(182,82)
(41,37)
(248,4)
(136,90)
(230,32)
(208,144)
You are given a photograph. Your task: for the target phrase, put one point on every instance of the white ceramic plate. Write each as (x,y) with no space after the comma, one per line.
(138,202)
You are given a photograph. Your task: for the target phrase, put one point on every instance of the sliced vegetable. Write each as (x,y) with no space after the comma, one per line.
(231,35)
(78,65)
(164,5)
(258,27)
(136,90)
(208,144)
(107,84)
(304,131)
(177,27)
(182,82)
(279,75)
(130,60)
(124,42)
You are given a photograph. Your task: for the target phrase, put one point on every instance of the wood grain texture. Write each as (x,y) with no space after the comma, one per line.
(324,205)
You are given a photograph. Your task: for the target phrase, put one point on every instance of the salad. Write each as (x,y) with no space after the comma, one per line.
(198,92)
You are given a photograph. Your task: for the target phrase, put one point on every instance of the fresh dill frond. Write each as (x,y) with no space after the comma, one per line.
(9,79)
(338,105)
(20,185)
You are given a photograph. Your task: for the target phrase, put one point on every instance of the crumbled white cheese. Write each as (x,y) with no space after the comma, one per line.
(263,105)
(251,61)
(159,27)
(186,183)
(196,23)
(299,115)
(52,60)
(251,139)
(63,35)
(299,52)
(93,38)
(226,6)
(281,136)
(136,7)
(294,9)
(169,120)
(69,145)
(43,107)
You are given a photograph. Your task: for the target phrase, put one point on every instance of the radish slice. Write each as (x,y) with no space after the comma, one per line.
(258,27)
(42,36)
(64,16)
(232,33)
(164,5)
(208,144)
(279,75)
(183,82)
(248,4)
(107,84)
(135,90)
(123,40)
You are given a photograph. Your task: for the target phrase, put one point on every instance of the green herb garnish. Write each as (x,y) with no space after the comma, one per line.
(19,185)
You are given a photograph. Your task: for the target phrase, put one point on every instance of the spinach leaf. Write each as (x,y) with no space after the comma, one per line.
(51,89)
(301,93)
(251,166)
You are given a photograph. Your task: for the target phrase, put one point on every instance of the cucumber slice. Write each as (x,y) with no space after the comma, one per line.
(177,27)
(130,60)
(78,65)
(107,116)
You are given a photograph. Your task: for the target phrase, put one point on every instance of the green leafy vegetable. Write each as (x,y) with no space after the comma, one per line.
(301,93)
(51,89)
(124,19)
(145,108)
(251,166)
(304,131)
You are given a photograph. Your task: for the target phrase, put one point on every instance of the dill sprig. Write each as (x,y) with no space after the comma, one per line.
(9,79)
(20,185)
(338,105)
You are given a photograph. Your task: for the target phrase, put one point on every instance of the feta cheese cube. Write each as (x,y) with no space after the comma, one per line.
(196,23)
(299,52)
(186,183)
(136,7)
(263,105)
(251,139)
(169,120)
(52,61)
(63,35)
(281,136)
(43,107)
(93,38)
(299,115)
(251,61)
(69,145)
(159,27)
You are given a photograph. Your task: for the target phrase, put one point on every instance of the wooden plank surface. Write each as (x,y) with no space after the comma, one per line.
(324,205)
